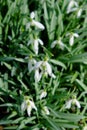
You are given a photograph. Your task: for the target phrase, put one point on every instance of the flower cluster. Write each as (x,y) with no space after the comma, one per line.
(40,68)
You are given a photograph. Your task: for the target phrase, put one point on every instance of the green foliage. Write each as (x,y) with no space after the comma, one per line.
(43,62)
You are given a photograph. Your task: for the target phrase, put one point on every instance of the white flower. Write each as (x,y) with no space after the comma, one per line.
(32,15)
(43,94)
(31,64)
(23,106)
(42,67)
(79,12)
(72,6)
(72,35)
(36,44)
(28,105)
(48,69)
(45,110)
(72,101)
(58,42)
(37,75)
(85,127)
(34,22)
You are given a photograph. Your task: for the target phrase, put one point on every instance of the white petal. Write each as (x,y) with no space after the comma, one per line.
(31,64)
(36,46)
(71,3)
(61,44)
(32,15)
(43,94)
(71,41)
(68,104)
(23,106)
(79,13)
(76,35)
(49,69)
(53,44)
(38,24)
(29,108)
(38,64)
(53,76)
(37,76)
(77,103)
(34,61)
(33,105)
(45,110)
(40,41)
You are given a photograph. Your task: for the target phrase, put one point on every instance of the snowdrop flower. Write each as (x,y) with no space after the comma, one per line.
(28,105)
(37,41)
(43,94)
(72,6)
(79,12)
(58,42)
(31,63)
(45,110)
(42,67)
(37,75)
(72,35)
(71,102)
(34,22)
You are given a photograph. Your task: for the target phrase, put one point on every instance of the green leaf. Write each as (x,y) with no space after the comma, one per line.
(4,122)
(67,116)
(56,62)
(11,127)
(26,121)
(52,123)
(78,58)
(84,87)
(53,26)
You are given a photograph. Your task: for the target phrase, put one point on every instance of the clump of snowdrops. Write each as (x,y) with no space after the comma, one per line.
(43,65)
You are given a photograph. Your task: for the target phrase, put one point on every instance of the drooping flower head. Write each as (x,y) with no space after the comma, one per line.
(35,44)
(71,39)
(45,110)
(72,6)
(43,68)
(59,43)
(43,94)
(31,63)
(71,102)
(28,105)
(34,22)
